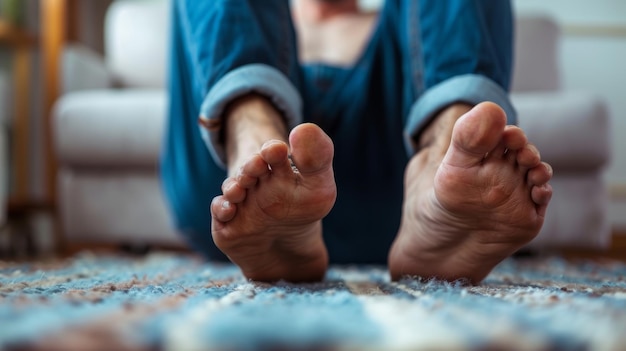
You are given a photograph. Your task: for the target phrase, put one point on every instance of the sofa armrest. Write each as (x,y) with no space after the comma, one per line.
(112,128)
(571,129)
(84,69)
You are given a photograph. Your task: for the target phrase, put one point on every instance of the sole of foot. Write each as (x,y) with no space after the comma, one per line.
(485,200)
(268,219)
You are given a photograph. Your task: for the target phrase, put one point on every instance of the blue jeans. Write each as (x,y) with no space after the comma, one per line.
(423,56)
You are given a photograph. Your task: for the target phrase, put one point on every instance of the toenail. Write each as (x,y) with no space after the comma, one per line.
(226,204)
(228,187)
(270,143)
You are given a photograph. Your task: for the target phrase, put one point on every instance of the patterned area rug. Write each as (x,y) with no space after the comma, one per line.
(177,302)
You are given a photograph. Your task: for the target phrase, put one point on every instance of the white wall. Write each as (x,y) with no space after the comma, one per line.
(593,58)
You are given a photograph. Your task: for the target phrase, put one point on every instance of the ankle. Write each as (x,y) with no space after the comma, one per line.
(434,141)
(250,121)
(438,133)
(254,112)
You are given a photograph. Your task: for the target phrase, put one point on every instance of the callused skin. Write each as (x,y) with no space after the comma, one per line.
(474,194)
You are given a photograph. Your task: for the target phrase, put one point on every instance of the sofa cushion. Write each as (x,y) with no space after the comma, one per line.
(536,67)
(136,39)
(107,128)
(571,129)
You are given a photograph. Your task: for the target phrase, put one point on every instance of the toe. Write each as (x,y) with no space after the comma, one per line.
(514,138)
(232,191)
(539,174)
(541,196)
(249,174)
(222,210)
(528,156)
(276,155)
(311,149)
(475,134)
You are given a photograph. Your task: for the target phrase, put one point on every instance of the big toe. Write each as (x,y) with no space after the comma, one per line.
(475,134)
(311,149)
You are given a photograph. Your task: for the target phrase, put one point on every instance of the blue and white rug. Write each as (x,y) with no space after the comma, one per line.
(177,302)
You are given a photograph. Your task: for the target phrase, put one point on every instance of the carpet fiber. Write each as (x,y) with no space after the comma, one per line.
(177,302)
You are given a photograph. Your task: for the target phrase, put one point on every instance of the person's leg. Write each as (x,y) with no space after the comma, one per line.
(186,166)
(268,220)
(475,193)
(234,64)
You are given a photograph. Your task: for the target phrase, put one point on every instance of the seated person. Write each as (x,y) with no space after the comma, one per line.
(332,135)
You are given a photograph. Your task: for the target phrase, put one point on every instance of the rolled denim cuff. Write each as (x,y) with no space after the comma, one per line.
(253,78)
(469,88)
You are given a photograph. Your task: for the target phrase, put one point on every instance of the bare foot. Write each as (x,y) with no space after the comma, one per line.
(466,213)
(268,220)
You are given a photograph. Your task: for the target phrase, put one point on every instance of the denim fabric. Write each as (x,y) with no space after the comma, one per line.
(422,56)
(258,78)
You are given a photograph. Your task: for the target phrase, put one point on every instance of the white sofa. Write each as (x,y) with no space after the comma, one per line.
(109,125)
